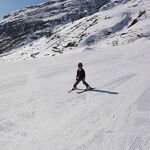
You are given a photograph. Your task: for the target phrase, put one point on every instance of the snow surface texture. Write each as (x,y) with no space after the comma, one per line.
(38,113)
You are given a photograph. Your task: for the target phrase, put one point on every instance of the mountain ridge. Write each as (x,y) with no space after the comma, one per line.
(19,25)
(116,23)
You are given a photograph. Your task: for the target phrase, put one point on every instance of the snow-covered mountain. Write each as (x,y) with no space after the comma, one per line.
(117,23)
(34,22)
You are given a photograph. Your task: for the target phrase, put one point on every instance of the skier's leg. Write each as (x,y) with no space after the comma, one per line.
(85,83)
(77,82)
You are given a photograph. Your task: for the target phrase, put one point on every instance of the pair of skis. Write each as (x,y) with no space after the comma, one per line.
(79,92)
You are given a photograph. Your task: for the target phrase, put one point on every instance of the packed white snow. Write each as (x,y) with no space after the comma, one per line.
(36,111)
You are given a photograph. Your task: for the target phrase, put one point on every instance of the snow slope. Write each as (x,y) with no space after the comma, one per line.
(36,111)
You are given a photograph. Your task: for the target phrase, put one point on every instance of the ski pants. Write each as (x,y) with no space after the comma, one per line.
(78,81)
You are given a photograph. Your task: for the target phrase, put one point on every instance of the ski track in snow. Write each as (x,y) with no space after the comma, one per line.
(38,113)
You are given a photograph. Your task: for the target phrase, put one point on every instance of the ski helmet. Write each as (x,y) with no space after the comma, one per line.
(80,64)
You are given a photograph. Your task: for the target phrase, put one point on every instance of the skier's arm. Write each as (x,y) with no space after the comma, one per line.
(83,74)
(77,76)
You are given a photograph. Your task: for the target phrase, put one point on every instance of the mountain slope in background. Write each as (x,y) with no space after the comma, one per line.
(117,23)
(34,22)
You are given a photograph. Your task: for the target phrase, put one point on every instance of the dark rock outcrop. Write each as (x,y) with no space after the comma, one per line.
(33,22)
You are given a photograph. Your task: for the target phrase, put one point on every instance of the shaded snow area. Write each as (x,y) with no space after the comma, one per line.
(38,113)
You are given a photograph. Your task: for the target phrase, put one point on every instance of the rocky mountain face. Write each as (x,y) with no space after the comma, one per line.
(33,22)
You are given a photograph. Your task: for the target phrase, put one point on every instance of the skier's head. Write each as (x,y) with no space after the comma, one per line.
(80,65)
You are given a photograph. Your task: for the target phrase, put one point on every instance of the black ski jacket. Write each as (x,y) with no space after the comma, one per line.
(80,74)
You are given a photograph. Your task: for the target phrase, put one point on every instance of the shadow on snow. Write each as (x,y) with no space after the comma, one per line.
(101,91)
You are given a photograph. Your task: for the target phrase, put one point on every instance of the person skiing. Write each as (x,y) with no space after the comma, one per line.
(80,77)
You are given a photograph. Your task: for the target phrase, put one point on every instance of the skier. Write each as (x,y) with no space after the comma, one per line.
(80,77)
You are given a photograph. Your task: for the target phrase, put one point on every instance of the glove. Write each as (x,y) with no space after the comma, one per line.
(77,78)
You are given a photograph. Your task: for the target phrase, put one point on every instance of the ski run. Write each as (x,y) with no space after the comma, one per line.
(38,113)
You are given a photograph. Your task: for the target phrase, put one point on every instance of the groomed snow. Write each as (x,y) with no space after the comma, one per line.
(37,113)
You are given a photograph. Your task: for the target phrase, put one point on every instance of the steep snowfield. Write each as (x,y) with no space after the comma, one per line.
(118,23)
(27,25)
(37,113)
